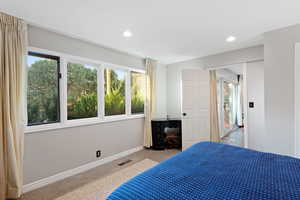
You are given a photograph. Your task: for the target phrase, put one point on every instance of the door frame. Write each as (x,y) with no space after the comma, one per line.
(245,98)
(221,110)
(245,106)
(297,103)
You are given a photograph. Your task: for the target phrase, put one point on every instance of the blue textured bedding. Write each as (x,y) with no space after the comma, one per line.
(216,171)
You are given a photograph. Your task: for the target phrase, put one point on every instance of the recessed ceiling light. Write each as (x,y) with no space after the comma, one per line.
(230,39)
(127,33)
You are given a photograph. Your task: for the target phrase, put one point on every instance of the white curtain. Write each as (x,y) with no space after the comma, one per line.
(240,103)
(214,118)
(12,56)
(151,66)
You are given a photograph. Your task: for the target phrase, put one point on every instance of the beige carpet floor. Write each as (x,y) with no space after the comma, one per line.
(101,188)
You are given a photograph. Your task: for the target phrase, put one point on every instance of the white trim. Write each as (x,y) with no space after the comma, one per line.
(25,87)
(245,104)
(63,93)
(107,117)
(100,90)
(297,99)
(230,65)
(82,121)
(64,102)
(82,62)
(71,172)
(89,122)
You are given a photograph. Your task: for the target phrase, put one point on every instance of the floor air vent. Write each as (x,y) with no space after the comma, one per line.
(124,162)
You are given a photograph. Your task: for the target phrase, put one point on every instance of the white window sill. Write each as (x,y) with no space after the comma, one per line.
(79,122)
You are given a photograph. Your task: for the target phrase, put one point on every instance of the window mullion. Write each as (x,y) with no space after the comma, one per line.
(25,87)
(63,91)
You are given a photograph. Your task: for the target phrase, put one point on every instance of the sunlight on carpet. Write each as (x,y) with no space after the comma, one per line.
(101,188)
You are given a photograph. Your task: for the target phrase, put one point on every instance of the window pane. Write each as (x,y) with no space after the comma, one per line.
(114,92)
(228,91)
(82,91)
(138,91)
(42,90)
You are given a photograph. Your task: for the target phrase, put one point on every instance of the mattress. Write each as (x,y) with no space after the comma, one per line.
(216,171)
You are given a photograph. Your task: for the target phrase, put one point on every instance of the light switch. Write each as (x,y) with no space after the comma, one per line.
(251,104)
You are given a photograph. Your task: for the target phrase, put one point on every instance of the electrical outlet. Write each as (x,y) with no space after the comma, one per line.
(98,153)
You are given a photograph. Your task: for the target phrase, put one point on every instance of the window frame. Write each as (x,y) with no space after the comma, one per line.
(109,117)
(137,114)
(101,118)
(52,57)
(74,121)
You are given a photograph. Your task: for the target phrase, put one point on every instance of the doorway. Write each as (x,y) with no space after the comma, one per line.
(240,105)
(195,106)
(230,104)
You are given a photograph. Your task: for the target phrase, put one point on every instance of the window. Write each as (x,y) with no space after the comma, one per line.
(43,89)
(82,91)
(75,93)
(228,106)
(138,91)
(114,91)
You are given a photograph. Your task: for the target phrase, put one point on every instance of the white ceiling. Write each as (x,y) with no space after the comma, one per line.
(167,30)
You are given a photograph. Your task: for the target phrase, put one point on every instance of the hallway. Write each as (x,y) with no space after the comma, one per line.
(235,138)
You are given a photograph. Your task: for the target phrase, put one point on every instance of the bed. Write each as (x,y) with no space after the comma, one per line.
(216,171)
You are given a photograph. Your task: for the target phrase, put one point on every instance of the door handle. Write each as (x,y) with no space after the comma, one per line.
(184,114)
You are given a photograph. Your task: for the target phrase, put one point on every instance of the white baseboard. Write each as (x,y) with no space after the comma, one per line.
(71,172)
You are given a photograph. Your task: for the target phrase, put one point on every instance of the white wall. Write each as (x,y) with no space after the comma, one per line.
(279,64)
(44,39)
(297,99)
(50,152)
(219,60)
(256,115)
(279,84)
(161,92)
(255,53)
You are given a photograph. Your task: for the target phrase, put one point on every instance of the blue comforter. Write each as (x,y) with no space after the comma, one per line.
(216,171)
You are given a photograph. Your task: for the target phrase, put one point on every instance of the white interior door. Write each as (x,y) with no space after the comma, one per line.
(195,106)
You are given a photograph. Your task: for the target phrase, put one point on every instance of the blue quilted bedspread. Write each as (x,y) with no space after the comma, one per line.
(216,171)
